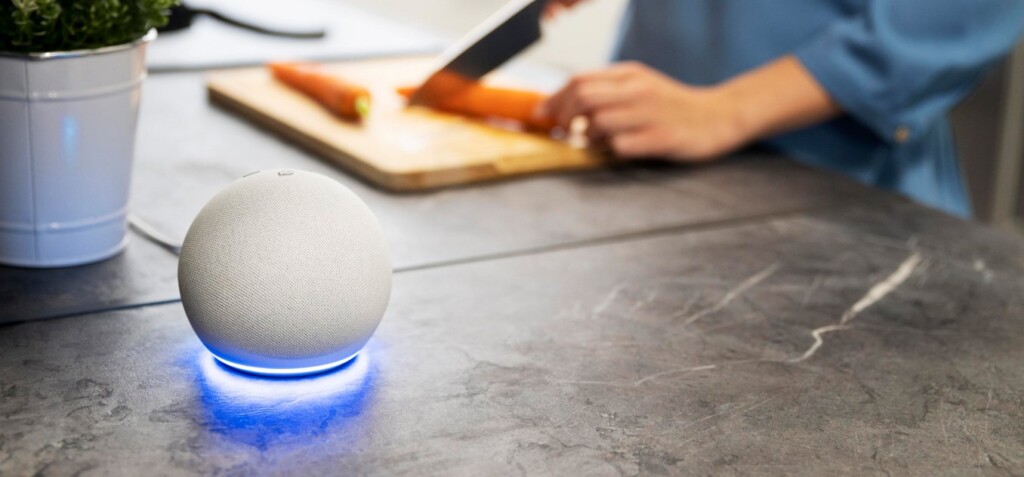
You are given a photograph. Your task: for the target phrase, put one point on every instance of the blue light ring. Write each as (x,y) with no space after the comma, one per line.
(285,372)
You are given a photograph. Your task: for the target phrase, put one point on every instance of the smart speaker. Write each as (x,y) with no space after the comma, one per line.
(284,273)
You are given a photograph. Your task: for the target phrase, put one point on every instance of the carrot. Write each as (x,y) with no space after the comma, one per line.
(344,99)
(493,102)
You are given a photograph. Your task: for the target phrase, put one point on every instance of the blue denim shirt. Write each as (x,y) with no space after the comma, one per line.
(896,67)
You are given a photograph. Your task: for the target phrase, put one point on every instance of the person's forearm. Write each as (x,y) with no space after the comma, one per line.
(778,97)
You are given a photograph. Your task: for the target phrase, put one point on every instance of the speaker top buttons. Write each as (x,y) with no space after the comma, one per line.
(285,172)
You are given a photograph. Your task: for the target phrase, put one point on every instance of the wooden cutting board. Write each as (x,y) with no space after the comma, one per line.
(397,148)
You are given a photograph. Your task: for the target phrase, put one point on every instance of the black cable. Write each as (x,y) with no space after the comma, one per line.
(312,34)
(182,16)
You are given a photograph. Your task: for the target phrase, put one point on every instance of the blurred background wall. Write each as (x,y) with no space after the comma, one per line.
(989,125)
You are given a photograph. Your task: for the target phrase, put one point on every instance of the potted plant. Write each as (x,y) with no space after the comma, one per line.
(70,80)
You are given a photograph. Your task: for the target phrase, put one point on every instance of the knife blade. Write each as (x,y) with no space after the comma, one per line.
(502,36)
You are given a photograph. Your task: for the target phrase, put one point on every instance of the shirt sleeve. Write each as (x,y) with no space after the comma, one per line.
(898,65)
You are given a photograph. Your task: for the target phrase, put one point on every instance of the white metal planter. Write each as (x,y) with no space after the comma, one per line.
(67,136)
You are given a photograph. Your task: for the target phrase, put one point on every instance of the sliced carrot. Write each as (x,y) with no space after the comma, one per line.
(406,91)
(493,102)
(344,99)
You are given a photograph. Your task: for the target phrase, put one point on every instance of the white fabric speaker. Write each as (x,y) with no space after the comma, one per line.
(284,272)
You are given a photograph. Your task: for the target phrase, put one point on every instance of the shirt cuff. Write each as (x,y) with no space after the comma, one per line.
(850,83)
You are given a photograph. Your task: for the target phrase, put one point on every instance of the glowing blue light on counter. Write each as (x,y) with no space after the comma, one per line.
(269,411)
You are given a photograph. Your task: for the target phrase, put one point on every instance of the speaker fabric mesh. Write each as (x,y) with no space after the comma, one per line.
(284,269)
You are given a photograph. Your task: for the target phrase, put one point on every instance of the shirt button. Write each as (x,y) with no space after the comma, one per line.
(902,134)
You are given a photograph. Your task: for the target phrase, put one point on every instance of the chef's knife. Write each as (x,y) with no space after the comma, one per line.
(502,36)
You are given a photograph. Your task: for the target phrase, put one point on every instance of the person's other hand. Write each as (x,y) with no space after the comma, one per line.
(554,7)
(641,112)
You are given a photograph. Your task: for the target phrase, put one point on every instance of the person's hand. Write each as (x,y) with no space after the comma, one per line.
(641,112)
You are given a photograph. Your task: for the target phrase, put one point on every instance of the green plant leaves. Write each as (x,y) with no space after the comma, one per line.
(62,25)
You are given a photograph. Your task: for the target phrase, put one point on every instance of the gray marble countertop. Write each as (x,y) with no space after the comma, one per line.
(753,316)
